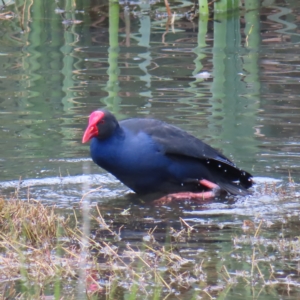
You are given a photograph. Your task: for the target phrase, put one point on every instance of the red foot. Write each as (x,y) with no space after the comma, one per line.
(191,196)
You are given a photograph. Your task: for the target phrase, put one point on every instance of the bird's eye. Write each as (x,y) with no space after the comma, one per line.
(102,122)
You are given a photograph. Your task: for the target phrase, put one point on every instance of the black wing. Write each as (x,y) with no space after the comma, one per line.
(175,141)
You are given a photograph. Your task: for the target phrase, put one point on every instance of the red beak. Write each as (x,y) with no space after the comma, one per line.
(89,133)
(92,129)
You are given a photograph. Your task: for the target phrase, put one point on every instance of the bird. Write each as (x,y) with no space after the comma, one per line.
(153,157)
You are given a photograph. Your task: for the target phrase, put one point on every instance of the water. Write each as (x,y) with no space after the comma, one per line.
(233,82)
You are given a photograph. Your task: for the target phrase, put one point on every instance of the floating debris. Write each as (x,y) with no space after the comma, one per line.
(71,22)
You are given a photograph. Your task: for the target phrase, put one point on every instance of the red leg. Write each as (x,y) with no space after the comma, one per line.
(209,184)
(191,196)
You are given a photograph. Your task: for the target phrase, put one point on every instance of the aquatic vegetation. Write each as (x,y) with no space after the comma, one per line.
(45,251)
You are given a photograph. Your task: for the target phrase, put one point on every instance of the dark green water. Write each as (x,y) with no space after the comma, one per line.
(233,81)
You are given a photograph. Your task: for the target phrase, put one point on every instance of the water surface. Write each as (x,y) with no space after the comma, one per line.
(232,81)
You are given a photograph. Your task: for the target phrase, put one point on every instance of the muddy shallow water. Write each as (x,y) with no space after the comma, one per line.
(232,81)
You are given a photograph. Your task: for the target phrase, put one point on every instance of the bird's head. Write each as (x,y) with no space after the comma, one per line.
(102,124)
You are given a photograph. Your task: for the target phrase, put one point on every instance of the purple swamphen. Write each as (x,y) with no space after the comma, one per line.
(150,156)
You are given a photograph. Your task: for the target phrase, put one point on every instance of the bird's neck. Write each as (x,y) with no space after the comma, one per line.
(105,152)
